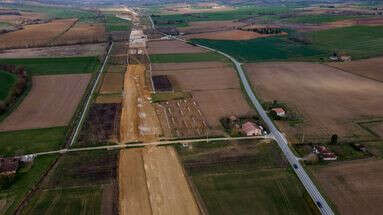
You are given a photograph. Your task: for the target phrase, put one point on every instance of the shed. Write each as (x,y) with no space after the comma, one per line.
(279,111)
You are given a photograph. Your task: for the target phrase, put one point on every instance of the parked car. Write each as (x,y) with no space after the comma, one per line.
(295,166)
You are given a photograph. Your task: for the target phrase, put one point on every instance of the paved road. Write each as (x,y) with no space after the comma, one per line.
(88,100)
(158,143)
(280,138)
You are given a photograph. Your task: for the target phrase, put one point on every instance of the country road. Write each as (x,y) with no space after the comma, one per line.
(316,196)
(158,143)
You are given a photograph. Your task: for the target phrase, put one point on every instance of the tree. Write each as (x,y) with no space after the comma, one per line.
(334,139)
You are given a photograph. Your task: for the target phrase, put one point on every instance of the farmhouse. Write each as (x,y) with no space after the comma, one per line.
(9,166)
(324,153)
(279,111)
(162,83)
(251,129)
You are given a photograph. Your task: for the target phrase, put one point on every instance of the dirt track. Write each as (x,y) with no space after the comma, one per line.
(51,102)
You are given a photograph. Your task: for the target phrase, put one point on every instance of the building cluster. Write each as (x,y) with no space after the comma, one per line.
(324,153)
(343,58)
(9,166)
(252,129)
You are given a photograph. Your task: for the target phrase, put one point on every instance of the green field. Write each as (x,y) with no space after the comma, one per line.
(85,200)
(11,194)
(55,66)
(77,184)
(114,23)
(357,41)
(30,141)
(58,12)
(318,19)
(185,57)
(264,49)
(239,13)
(7,81)
(258,179)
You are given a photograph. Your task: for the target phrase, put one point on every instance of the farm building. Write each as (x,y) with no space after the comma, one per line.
(162,83)
(9,166)
(324,153)
(279,111)
(251,129)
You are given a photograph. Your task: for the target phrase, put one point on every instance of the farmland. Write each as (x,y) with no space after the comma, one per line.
(185,57)
(228,35)
(81,33)
(213,87)
(182,20)
(369,68)
(53,66)
(29,141)
(114,23)
(264,49)
(83,50)
(7,81)
(172,47)
(61,94)
(35,35)
(327,98)
(12,194)
(77,186)
(243,177)
(357,41)
(354,187)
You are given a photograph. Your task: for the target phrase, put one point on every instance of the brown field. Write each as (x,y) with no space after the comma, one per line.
(83,33)
(112,83)
(56,51)
(51,102)
(172,46)
(35,35)
(376,127)
(354,187)
(15,19)
(181,118)
(214,86)
(229,35)
(200,76)
(133,190)
(209,26)
(329,100)
(370,68)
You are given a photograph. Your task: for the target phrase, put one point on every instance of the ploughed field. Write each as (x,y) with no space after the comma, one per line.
(213,85)
(354,187)
(370,68)
(172,46)
(329,100)
(51,102)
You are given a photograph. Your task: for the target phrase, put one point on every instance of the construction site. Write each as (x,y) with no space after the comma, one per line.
(151,179)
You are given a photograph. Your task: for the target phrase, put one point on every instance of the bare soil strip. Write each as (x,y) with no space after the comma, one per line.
(133,191)
(51,102)
(129,118)
(168,189)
